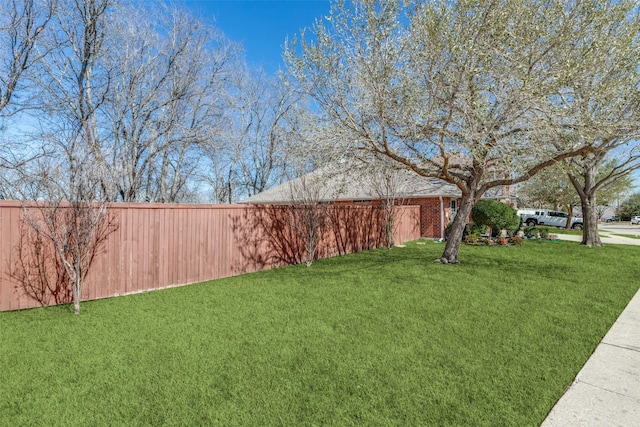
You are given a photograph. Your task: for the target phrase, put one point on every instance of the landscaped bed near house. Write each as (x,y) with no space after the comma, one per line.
(376,338)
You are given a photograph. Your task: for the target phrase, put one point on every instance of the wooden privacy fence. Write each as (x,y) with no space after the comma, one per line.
(157,246)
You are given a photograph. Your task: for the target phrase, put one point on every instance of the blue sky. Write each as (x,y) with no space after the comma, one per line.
(260,25)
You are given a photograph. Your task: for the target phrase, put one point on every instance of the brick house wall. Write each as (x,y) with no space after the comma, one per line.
(430,225)
(430,216)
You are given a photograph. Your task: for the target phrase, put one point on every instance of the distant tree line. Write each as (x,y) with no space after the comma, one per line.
(160,104)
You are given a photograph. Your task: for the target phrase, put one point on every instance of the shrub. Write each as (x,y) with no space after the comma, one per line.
(541,231)
(473,228)
(490,242)
(496,215)
(544,232)
(502,241)
(471,239)
(624,216)
(516,240)
(530,232)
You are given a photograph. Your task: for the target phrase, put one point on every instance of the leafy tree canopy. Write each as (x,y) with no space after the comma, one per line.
(630,207)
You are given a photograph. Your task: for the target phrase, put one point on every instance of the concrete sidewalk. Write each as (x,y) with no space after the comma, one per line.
(606,391)
(605,237)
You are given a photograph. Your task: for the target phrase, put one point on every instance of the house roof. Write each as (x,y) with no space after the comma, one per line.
(350,181)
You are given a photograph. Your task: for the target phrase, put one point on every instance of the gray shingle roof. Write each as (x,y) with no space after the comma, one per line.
(350,182)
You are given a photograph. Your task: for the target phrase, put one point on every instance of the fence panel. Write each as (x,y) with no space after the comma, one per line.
(157,246)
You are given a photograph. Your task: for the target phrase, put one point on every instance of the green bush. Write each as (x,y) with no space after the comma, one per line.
(496,215)
(516,240)
(536,231)
(475,229)
(471,239)
(530,232)
(544,232)
(624,216)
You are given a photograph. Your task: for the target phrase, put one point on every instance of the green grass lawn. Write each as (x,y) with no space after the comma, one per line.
(558,230)
(379,338)
(630,236)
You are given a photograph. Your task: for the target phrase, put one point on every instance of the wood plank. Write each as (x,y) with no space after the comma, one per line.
(157,246)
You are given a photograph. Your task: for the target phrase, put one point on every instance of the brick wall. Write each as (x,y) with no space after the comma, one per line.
(430,220)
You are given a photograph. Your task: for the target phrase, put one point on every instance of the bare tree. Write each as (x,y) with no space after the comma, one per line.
(38,270)
(308,211)
(74,221)
(168,98)
(135,101)
(22,26)
(389,185)
(22,23)
(611,194)
(252,152)
(221,172)
(463,91)
(271,136)
(143,89)
(210,63)
(262,106)
(72,85)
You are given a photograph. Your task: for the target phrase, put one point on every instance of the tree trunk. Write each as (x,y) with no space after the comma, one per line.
(76,298)
(587,191)
(454,237)
(569,216)
(590,236)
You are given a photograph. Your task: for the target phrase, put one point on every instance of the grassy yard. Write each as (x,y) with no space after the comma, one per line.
(630,236)
(374,339)
(557,230)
